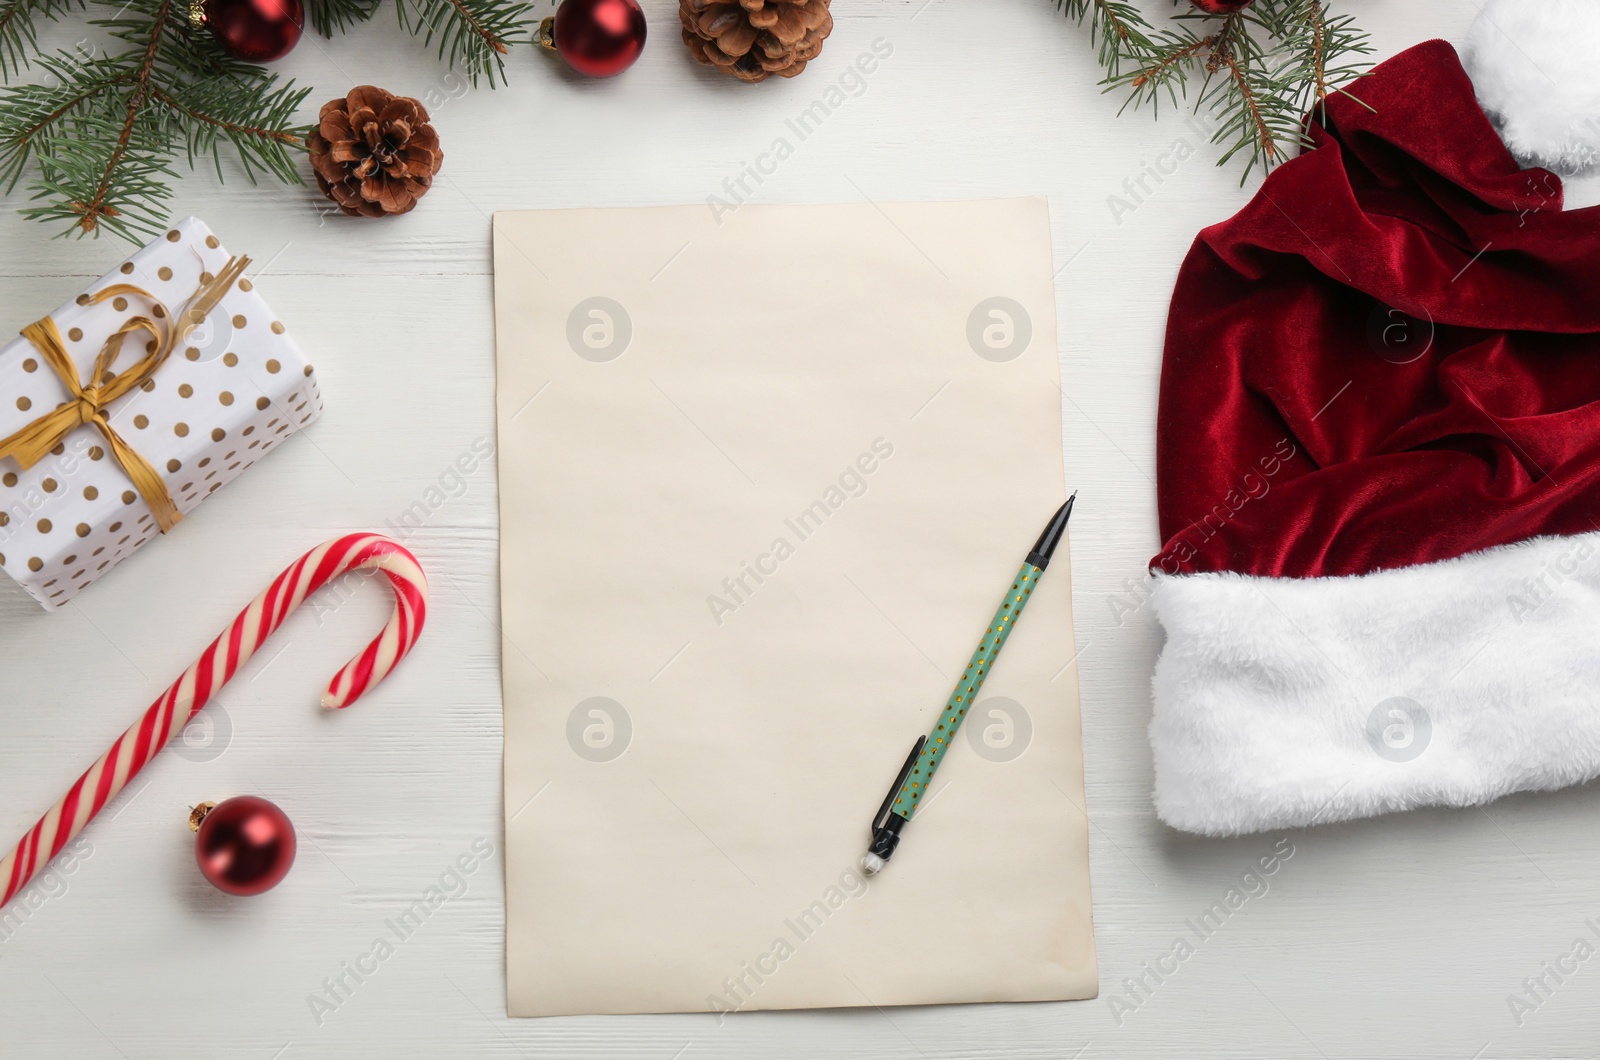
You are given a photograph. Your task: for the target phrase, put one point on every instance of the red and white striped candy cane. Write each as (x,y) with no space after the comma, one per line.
(189,693)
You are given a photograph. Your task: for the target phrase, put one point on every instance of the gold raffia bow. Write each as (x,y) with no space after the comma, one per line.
(88,404)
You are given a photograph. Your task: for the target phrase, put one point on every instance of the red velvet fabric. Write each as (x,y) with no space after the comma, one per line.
(1390,356)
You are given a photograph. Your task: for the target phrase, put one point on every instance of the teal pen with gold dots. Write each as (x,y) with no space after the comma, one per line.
(926,754)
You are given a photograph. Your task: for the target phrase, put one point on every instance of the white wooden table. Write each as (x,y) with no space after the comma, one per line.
(1401,937)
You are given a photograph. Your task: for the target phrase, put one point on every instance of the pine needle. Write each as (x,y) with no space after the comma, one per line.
(98,140)
(102,135)
(326,16)
(473,35)
(19,41)
(1265,72)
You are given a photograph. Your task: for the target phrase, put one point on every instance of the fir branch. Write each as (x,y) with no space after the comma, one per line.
(256,117)
(19,40)
(1117,27)
(1264,70)
(1246,105)
(1171,63)
(326,16)
(1166,70)
(93,179)
(474,35)
(103,135)
(1317,54)
(94,207)
(1256,96)
(27,112)
(1325,45)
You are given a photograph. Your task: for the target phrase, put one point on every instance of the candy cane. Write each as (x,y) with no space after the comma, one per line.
(211,671)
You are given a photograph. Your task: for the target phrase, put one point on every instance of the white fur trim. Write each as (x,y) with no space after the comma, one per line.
(1533,67)
(1283,702)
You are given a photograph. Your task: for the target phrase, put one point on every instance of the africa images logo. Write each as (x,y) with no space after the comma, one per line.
(1399,729)
(599,329)
(999,329)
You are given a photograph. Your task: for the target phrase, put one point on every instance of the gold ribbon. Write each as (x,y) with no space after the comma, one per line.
(88,404)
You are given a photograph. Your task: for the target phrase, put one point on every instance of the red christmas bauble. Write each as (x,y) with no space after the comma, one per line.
(600,38)
(1222,7)
(244,846)
(256,30)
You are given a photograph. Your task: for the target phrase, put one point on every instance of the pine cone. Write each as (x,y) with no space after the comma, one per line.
(753,39)
(374,153)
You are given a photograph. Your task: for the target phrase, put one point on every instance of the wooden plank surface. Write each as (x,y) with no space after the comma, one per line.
(1398,938)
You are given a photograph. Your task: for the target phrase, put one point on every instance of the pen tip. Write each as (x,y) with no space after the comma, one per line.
(872,864)
(1045,547)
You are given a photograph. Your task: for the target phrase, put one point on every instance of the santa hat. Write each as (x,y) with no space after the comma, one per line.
(1533,65)
(1378,453)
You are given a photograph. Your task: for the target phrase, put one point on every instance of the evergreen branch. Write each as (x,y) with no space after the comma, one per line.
(1257,107)
(228,128)
(1266,70)
(1117,27)
(94,208)
(1119,21)
(1318,54)
(28,112)
(1168,65)
(255,117)
(103,134)
(182,48)
(1232,51)
(1325,45)
(74,162)
(19,40)
(326,16)
(98,138)
(474,35)
(1175,54)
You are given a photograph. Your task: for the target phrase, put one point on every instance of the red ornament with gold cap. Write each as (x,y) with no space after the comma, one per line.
(257,31)
(598,38)
(244,846)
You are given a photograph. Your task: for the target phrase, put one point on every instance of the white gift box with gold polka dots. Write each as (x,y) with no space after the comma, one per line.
(234,390)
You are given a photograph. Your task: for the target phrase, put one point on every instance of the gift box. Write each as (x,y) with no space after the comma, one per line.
(181,377)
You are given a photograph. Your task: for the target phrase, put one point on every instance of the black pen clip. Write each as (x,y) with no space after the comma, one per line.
(882,817)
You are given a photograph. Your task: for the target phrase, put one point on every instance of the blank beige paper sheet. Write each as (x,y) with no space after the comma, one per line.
(763,479)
